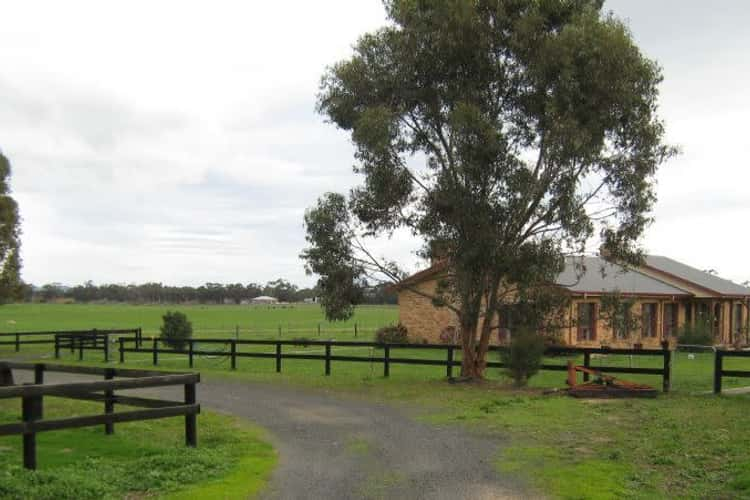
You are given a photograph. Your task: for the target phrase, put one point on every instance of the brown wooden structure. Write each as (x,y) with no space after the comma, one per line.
(32,401)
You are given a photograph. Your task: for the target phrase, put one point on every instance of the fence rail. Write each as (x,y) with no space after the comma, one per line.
(19,337)
(449,361)
(32,397)
(719,370)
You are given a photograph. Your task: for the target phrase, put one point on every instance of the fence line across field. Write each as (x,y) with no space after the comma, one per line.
(450,361)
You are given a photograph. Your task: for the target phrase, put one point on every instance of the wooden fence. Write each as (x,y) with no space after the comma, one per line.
(32,402)
(30,338)
(388,357)
(719,370)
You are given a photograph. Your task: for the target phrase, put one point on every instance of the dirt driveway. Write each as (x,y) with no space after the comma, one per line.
(343,448)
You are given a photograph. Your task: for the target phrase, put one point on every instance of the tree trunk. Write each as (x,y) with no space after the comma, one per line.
(472,361)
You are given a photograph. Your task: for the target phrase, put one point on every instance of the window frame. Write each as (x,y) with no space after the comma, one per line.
(650,331)
(669,328)
(591,327)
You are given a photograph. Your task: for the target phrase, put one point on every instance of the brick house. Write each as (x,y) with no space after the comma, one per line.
(664,295)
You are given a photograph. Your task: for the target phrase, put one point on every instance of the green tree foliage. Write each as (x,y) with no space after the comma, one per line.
(176,330)
(523,357)
(617,313)
(699,333)
(11,287)
(511,132)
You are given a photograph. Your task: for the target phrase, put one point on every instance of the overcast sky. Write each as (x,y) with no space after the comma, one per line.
(177,141)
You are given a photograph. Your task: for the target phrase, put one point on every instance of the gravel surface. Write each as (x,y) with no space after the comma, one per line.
(344,448)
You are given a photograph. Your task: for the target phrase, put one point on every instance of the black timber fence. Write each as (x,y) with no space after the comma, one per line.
(67,338)
(388,357)
(32,401)
(720,372)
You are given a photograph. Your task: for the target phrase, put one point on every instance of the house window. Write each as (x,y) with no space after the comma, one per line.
(703,312)
(586,321)
(737,319)
(648,320)
(670,320)
(717,320)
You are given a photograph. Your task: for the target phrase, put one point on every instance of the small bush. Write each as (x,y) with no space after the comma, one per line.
(699,333)
(523,358)
(392,335)
(176,330)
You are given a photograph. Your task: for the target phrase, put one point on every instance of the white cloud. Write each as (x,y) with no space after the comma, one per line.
(178,141)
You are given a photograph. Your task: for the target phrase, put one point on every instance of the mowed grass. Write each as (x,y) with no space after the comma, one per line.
(213,320)
(233,458)
(685,444)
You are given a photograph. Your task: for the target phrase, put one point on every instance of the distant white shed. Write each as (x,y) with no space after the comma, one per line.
(264,299)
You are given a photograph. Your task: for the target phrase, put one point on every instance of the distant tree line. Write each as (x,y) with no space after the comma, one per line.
(209,293)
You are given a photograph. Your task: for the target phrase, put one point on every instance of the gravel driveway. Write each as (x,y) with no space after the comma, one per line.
(343,448)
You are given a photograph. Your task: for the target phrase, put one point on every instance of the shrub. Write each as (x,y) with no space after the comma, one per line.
(176,330)
(392,335)
(523,357)
(699,333)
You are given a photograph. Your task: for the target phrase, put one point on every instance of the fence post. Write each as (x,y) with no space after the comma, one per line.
(318,329)
(39,373)
(718,368)
(355,330)
(191,428)
(667,373)
(279,331)
(31,407)
(278,357)
(449,369)
(155,353)
(387,361)
(57,347)
(106,348)
(109,402)
(234,354)
(191,349)
(139,337)
(122,349)
(18,342)
(328,358)
(80,348)
(72,344)
(587,364)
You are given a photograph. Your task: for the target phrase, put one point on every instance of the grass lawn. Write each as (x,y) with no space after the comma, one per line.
(686,444)
(232,460)
(221,321)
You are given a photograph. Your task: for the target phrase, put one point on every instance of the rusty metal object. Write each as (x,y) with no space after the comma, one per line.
(605,386)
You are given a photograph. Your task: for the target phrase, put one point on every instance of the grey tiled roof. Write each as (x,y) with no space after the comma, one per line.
(696,276)
(602,276)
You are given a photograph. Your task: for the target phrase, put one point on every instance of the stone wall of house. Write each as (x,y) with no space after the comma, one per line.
(421,318)
(424,321)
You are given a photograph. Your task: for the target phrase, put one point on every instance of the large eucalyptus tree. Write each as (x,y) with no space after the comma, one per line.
(510,131)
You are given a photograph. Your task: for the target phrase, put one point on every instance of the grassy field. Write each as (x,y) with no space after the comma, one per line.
(686,444)
(148,458)
(248,321)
